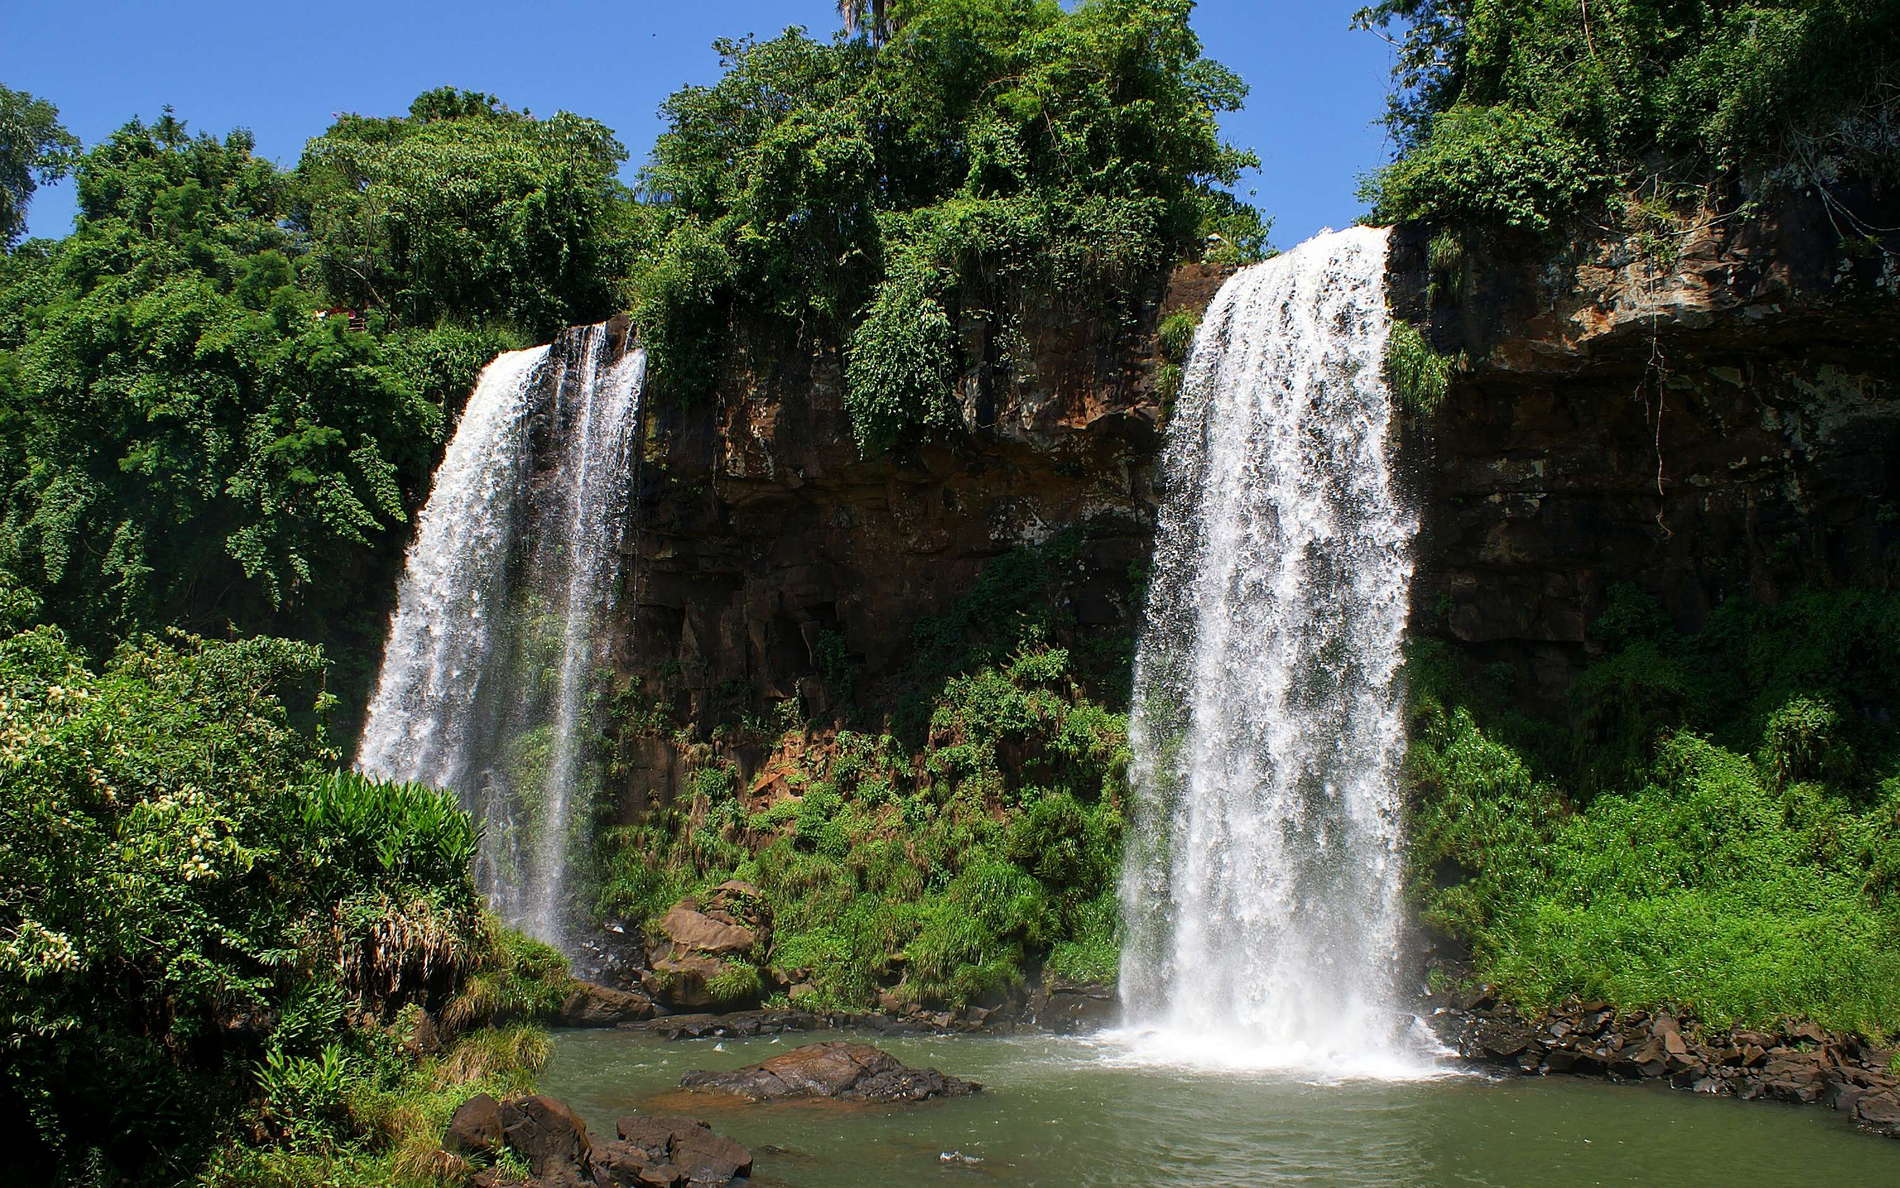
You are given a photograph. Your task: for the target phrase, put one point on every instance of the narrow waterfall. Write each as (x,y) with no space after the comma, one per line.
(498,635)
(1261,886)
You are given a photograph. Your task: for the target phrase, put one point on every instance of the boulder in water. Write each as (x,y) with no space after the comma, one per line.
(651,1152)
(652,1148)
(838,1070)
(544,1132)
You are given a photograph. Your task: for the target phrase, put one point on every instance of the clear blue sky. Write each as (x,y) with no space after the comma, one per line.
(281,70)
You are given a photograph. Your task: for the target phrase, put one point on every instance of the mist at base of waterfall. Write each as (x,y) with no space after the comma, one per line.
(1411,1053)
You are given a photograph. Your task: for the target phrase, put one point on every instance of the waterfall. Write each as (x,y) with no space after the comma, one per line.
(1261,884)
(499,632)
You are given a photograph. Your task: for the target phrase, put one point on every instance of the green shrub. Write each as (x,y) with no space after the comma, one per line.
(736,982)
(1680,870)
(206,929)
(1488,168)
(1176,334)
(1092,953)
(898,383)
(373,831)
(1418,375)
(1801,741)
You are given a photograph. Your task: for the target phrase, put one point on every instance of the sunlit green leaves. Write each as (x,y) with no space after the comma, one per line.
(904,200)
(466,209)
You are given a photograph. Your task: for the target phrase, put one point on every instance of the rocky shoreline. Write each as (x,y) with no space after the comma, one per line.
(1798,1062)
(537,1141)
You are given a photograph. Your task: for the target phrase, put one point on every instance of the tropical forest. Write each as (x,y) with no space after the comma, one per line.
(1029,592)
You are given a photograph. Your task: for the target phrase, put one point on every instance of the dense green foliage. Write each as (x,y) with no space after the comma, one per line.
(34,149)
(201,924)
(945,858)
(941,876)
(466,209)
(183,439)
(1512,115)
(1718,828)
(908,201)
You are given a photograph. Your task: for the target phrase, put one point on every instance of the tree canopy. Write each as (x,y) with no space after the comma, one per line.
(185,439)
(467,209)
(34,149)
(1510,115)
(878,196)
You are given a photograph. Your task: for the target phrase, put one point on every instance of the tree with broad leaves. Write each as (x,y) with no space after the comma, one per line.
(34,150)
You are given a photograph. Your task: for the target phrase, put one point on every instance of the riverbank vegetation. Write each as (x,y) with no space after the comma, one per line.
(215,951)
(965,838)
(1711,823)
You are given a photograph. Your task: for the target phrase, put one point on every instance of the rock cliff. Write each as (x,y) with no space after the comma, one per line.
(1706,407)
(1705,410)
(766,555)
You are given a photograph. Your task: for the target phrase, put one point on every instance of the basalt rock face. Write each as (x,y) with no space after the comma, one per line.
(1707,410)
(766,555)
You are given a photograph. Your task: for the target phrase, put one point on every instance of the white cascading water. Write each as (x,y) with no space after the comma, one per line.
(1261,886)
(489,670)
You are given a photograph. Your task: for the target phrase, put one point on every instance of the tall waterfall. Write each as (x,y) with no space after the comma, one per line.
(489,671)
(1261,886)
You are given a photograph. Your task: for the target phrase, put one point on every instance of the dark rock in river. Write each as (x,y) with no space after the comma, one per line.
(839,1070)
(653,1152)
(546,1133)
(651,1148)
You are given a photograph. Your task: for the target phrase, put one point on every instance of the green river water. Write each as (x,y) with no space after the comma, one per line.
(1077,1111)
